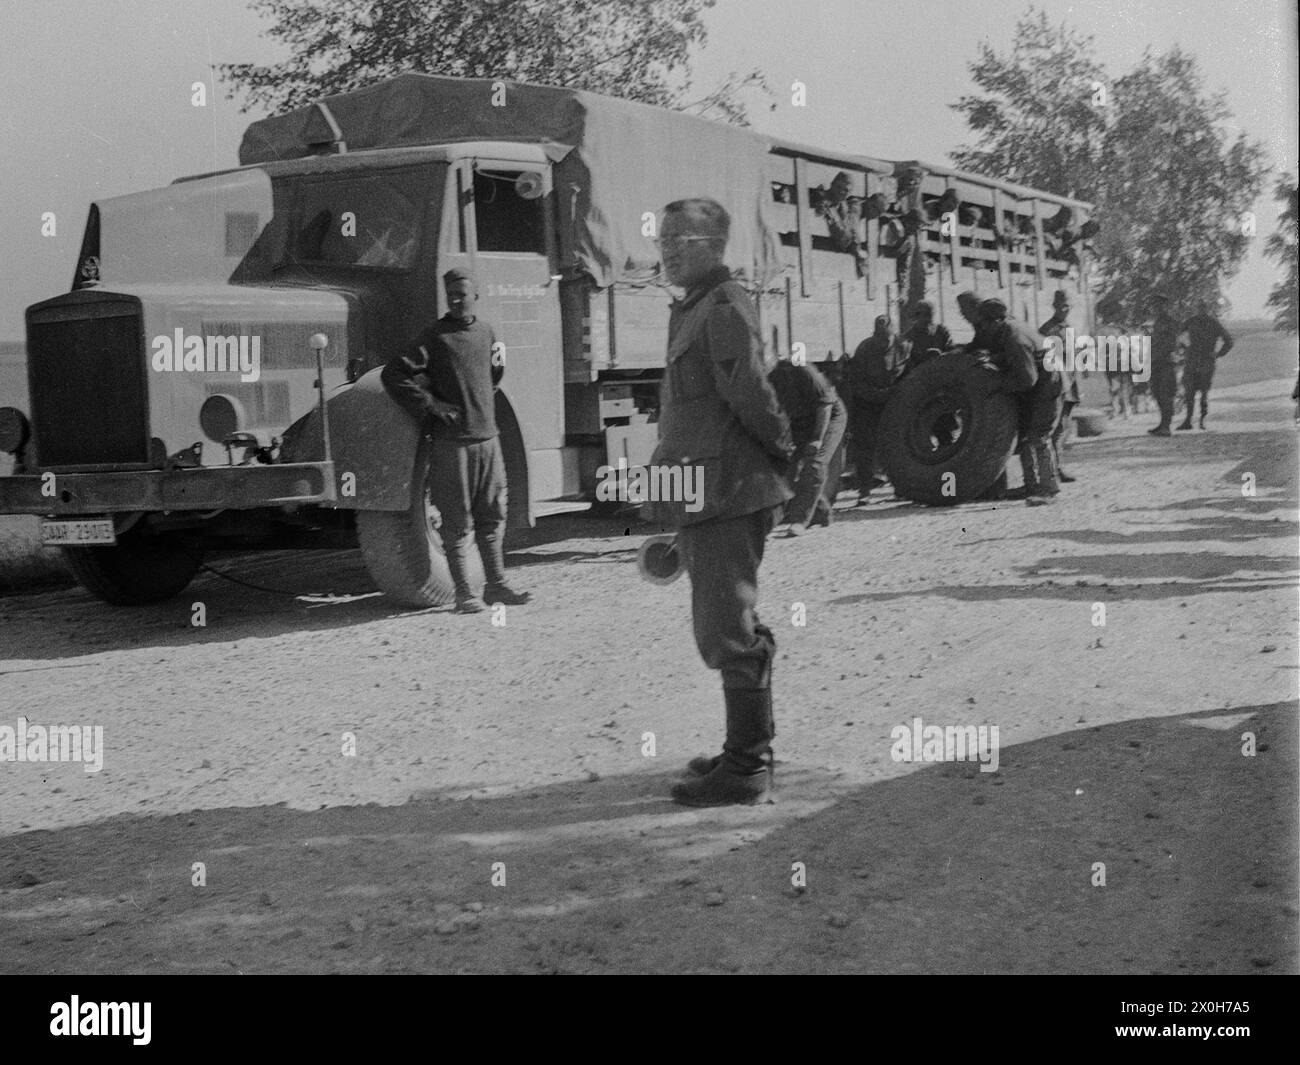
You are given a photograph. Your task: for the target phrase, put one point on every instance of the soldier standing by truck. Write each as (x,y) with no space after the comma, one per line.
(868,381)
(448,381)
(1055,326)
(718,411)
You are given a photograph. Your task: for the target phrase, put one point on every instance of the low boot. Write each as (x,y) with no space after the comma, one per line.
(742,774)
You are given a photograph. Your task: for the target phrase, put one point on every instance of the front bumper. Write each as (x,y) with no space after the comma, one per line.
(200,488)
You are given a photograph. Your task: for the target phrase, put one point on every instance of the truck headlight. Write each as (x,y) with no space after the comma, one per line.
(221,416)
(14,430)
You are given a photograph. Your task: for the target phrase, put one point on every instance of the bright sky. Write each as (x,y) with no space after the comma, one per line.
(96,93)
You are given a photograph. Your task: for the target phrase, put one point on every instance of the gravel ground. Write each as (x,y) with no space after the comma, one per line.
(503,812)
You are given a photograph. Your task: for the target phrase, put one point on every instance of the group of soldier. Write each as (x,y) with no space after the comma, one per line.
(769,441)
(1207,342)
(1009,350)
(1014,354)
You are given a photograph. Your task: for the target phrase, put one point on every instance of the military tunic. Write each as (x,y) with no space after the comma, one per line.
(1018,353)
(718,412)
(868,384)
(816,417)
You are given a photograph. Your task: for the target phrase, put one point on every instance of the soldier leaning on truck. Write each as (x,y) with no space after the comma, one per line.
(866,385)
(448,382)
(718,411)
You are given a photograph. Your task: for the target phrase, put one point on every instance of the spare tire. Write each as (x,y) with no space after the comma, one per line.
(941,420)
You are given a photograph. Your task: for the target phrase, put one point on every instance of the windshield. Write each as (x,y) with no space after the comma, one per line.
(360,219)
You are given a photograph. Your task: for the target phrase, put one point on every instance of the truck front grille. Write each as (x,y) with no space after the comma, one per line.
(89,393)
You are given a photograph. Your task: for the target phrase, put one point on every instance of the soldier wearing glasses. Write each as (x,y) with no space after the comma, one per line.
(718,412)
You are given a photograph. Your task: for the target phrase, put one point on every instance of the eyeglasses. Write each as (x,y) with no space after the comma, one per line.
(677,243)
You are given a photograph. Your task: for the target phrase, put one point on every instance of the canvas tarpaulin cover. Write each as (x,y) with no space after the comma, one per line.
(614,160)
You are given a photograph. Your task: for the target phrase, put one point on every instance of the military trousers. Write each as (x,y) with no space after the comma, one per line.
(722,557)
(1197,378)
(864,424)
(1164,384)
(467,483)
(1040,411)
(817,479)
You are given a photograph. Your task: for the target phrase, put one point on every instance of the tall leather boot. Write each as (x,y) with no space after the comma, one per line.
(467,600)
(743,773)
(703,764)
(496,590)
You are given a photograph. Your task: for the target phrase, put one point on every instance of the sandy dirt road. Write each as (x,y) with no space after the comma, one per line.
(520,752)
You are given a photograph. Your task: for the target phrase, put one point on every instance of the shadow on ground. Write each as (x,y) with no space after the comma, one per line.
(946,869)
(269,593)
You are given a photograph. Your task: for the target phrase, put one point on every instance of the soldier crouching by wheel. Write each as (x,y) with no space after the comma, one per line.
(448,382)
(718,411)
(1018,355)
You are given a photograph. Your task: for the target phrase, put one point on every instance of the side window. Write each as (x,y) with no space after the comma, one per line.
(360,220)
(506,220)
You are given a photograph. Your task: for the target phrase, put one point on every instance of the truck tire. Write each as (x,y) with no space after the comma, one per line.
(943,420)
(403,551)
(138,569)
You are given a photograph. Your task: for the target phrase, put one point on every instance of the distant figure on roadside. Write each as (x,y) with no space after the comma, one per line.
(817,423)
(1055,326)
(1164,362)
(867,384)
(1204,334)
(1119,383)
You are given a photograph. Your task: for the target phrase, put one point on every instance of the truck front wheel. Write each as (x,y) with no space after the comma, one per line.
(403,551)
(140,568)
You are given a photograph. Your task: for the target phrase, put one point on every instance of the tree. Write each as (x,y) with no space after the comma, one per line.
(635,49)
(1038,124)
(1282,246)
(1171,188)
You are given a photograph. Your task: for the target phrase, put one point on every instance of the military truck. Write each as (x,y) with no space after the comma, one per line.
(211,380)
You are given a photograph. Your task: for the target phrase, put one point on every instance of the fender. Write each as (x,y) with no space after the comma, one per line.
(377,442)
(371,438)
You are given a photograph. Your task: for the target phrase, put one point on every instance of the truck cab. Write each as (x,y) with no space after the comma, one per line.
(175,391)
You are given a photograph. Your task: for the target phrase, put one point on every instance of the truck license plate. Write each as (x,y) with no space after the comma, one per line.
(77,533)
